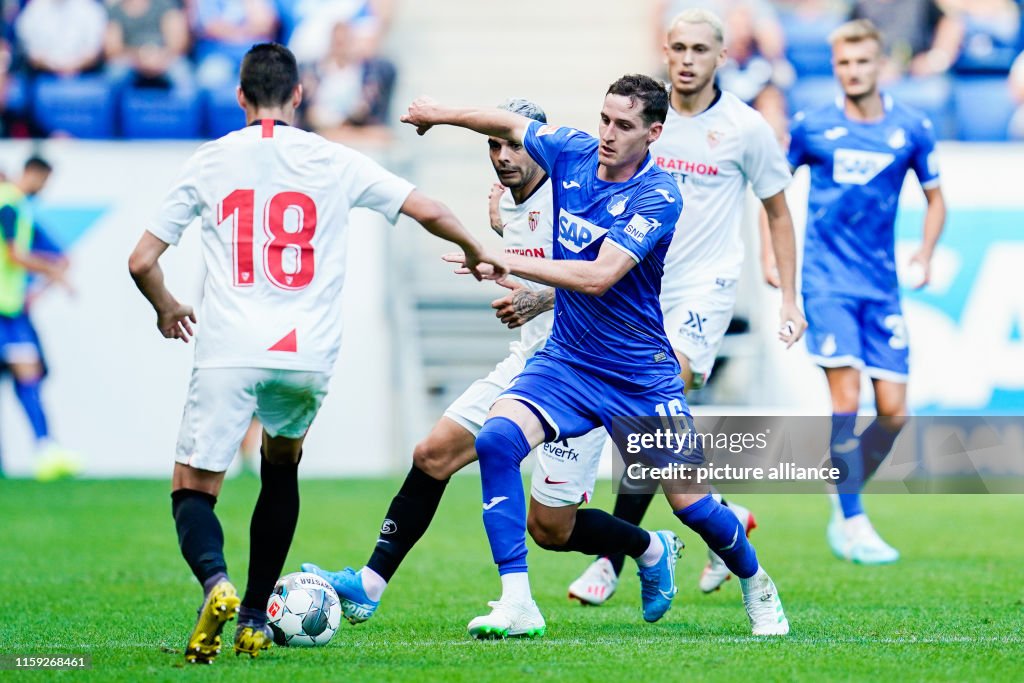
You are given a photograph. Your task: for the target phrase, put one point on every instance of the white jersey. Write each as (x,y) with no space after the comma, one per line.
(528,231)
(713,156)
(274,204)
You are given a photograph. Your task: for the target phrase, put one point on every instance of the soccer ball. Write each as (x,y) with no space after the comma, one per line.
(303,610)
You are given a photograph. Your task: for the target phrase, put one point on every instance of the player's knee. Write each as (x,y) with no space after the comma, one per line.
(500,437)
(548,534)
(26,373)
(437,459)
(892,420)
(282,455)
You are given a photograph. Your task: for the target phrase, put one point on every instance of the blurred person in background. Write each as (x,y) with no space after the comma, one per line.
(63,37)
(20,349)
(755,69)
(308,25)
(920,39)
(349,95)
(147,43)
(1017,93)
(989,31)
(859,151)
(224,30)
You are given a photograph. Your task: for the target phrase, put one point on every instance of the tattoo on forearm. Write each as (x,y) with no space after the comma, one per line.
(529,304)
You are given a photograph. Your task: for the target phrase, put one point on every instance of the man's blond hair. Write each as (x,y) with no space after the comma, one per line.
(856,31)
(698,15)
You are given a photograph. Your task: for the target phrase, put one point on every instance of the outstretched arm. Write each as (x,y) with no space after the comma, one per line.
(173,319)
(424,113)
(783,241)
(438,220)
(588,277)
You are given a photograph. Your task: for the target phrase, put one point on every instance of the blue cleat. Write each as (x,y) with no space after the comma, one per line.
(355,605)
(658,582)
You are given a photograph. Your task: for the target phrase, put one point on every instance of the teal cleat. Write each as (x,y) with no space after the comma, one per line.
(658,582)
(348,584)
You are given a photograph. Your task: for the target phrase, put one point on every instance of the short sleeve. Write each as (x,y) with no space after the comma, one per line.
(8,222)
(647,220)
(797,155)
(764,164)
(925,160)
(371,186)
(544,142)
(181,205)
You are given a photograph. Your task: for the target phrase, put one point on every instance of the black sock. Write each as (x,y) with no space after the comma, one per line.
(630,507)
(199,534)
(407,519)
(598,533)
(271,530)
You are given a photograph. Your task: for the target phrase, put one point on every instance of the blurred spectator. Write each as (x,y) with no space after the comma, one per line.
(63,37)
(1017,93)
(989,31)
(920,39)
(756,71)
(312,21)
(224,31)
(147,42)
(348,95)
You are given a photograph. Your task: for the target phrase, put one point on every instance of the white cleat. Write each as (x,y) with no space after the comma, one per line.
(595,585)
(764,608)
(855,540)
(509,620)
(715,572)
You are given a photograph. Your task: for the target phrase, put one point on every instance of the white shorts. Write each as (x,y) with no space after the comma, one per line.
(222,401)
(566,470)
(696,320)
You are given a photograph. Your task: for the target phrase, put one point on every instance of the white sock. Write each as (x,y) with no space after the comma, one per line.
(653,553)
(373,583)
(856,525)
(516,587)
(753,581)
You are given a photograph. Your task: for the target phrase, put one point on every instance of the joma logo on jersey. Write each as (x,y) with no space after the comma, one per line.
(858,167)
(576,234)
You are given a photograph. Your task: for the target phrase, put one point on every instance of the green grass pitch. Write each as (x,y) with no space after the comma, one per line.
(93,567)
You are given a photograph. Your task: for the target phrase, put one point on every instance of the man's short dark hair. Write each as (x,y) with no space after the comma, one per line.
(37,163)
(652,94)
(269,75)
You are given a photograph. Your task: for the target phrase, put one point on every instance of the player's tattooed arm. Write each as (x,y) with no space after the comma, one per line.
(493,198)
(522,305)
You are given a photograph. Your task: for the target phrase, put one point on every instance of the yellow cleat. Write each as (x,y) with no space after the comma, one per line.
(220,607)
(252,640)
(54,462)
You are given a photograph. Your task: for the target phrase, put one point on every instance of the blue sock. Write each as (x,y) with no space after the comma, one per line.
(502,447)
(32,402)
(723,533)
(845,450)
(875,444)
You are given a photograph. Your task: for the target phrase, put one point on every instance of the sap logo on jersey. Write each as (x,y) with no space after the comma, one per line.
(858,167)
(638,227)
(576,234)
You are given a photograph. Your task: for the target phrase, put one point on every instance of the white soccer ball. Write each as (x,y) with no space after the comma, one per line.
(303,610)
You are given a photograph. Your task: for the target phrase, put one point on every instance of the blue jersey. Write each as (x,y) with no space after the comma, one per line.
(857,170)
(621,332)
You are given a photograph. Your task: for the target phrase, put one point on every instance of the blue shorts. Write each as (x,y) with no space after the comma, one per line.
(866,334)
(574,400)
(19,342)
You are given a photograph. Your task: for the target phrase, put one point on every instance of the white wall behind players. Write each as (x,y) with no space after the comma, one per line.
(116,388)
